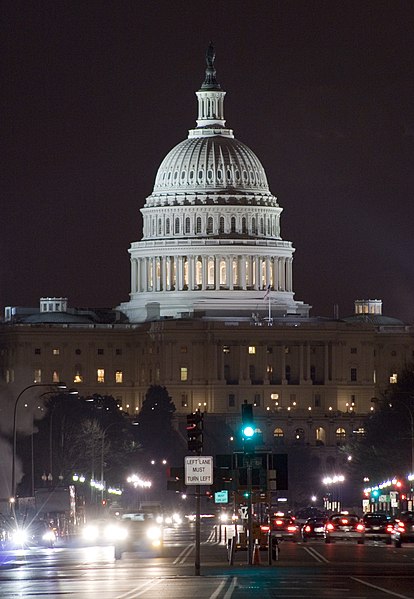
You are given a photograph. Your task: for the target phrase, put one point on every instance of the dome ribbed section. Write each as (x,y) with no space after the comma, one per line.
(209,164)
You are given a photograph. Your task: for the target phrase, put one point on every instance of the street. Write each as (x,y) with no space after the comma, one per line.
(308,570)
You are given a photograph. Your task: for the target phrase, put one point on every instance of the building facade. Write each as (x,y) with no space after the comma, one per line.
(196,322)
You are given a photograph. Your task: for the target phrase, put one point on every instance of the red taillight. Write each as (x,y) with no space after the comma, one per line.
(344,521)
(330,526)
(278,522)
(360,527)
(265,528)
(389,528)
(401,526)
(307,528)
(291,528)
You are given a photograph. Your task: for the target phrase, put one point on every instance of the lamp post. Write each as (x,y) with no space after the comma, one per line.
(13,474)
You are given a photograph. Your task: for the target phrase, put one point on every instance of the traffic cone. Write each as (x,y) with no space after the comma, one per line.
(256,554)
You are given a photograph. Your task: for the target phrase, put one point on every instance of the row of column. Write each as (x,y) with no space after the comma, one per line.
(169,273)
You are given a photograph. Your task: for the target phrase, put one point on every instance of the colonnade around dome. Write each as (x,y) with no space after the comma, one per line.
(210,272)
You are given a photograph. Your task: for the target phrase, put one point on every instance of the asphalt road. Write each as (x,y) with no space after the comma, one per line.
(311,570)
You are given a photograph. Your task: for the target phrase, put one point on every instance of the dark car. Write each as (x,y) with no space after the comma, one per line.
(344,526)
(313,528)
(142,533)
(378,526)
(403,531)
(30,534)
(284,527)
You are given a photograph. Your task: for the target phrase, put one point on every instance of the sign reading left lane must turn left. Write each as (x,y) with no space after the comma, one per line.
(198,470)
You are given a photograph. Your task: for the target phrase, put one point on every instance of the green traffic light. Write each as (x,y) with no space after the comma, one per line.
(248,431)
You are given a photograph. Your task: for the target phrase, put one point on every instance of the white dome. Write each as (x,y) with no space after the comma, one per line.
(211,163)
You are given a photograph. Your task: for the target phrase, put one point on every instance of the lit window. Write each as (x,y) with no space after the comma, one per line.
(56,351)
(278,432)
(274,396)
(183,373)
(340,434)
(118,376)
(252,349)
(37,375)
(9,375)
(100,375)
(394,378)
(78,378)
(226,349)
(183,349)
(55,376)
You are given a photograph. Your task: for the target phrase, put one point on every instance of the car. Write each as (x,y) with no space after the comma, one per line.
(36,533)
(344,526)
(284,527)
(378,526)
(141,533)
(105,531)
(313,528)
(403,531)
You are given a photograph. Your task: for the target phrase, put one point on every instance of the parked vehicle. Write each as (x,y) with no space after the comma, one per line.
(284,527)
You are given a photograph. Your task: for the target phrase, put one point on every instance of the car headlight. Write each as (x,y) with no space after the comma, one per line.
(154,533)
(49,536)
(114,532)
(20,536)
(90,533)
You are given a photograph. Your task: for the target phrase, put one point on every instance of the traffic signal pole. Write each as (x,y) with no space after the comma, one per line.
(197,533)
(250,542)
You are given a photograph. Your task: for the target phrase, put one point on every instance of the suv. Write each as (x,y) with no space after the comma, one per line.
(403,531)
(378,526)
(344,526)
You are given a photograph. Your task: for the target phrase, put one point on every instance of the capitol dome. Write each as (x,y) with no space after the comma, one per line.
(211,244)
(213,163)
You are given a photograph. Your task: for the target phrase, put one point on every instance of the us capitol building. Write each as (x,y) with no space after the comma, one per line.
(212,314)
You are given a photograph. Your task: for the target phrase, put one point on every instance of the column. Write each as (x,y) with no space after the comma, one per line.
(164,273)
(133,276)
(174,275)
(326,364)
(275,273)
(243,275)
(229,273)
(256,272)
(216,273)
(268,278)
(204,272)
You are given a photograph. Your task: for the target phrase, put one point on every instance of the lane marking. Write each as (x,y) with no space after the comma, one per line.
(143,588)
(231,588)
(316,555)
(374,586)
(180,559)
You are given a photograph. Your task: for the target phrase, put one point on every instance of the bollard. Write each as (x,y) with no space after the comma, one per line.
(215,533)
(225,534)
(274,549)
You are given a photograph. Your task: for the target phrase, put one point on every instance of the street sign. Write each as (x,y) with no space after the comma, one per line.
(221,497)
(198,470)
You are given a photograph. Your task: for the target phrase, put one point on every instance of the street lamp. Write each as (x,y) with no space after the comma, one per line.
(13,481)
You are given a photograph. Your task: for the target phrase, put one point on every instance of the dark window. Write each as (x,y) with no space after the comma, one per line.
(287,373)
(78,352)
(118,352)
(353,350)
(317,401)
(232,400)
(37,351)
(100,352)
(353,374)
(313,373)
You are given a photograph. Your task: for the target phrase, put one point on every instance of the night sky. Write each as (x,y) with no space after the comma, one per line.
(95,94)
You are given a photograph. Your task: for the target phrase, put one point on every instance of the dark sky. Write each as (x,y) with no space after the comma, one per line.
(96,93)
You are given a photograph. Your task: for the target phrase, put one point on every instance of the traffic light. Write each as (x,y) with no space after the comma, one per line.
(248,428)
(195,431)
